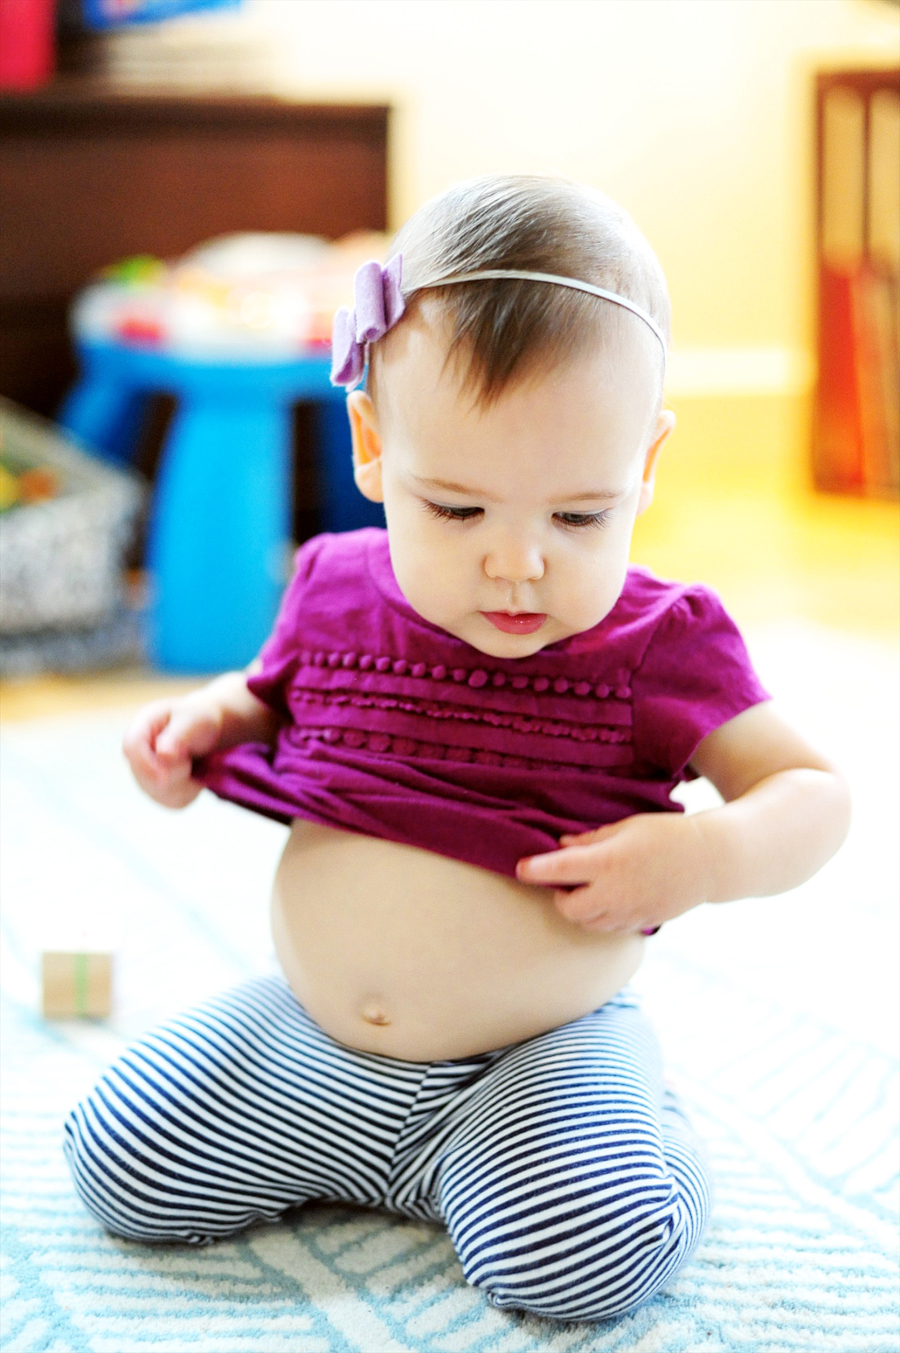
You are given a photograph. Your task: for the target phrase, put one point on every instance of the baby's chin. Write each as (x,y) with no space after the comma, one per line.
(477,631)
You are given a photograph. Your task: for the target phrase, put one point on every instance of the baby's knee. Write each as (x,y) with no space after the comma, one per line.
(114,1182)
(593,1265)
(99,1172)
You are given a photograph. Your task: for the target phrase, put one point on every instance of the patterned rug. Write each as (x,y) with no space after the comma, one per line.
(778,1019)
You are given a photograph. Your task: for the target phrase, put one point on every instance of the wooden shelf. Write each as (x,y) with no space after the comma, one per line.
(856,445)
(93,173)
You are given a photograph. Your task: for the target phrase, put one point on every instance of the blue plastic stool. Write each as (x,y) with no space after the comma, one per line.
(220,520)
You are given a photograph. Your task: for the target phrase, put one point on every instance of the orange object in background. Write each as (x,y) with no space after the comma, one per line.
(38,485)
(857,424)
(27,43)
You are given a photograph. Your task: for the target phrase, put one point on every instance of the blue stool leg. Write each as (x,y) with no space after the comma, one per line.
(105,414)
(341,505)
(219,533)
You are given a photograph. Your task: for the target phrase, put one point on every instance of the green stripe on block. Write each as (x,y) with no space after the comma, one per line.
(81,984)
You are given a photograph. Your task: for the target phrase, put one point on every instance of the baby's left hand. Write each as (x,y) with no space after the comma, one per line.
(631,875)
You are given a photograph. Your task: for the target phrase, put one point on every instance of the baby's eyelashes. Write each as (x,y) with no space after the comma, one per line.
(445,513)
(574,520)
(570,521)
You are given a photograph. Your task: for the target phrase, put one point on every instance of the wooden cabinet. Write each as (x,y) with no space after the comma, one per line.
(90,175)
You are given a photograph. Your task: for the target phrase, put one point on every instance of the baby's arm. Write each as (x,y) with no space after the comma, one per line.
(786,812)
(166,735)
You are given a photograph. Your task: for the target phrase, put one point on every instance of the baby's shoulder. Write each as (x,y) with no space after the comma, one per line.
(339,598)
(335,559)
(657,611)
(334,574)
(330,613)
(646,594)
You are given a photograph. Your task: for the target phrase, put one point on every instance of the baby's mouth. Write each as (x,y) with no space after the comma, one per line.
(516,622)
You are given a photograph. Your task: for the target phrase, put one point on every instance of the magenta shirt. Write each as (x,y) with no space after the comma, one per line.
(397,729)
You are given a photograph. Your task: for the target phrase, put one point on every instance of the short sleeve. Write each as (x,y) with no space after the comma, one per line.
(280,652)
(695,675)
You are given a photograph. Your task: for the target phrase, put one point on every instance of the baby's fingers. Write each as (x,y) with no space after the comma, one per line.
(139,743)
(587,908)
(567,867)
(578,904)
(592,837)
(187,734)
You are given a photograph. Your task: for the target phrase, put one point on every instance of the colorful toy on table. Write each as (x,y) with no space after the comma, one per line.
(238,331)
(264,295)
(76,985)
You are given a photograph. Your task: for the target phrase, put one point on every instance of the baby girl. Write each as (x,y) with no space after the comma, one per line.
(473,722)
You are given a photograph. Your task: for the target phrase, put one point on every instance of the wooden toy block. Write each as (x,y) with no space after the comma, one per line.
(76,984)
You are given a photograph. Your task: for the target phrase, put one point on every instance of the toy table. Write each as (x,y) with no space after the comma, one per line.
(220,520)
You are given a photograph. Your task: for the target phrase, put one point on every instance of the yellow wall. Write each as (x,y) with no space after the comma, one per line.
(695,114)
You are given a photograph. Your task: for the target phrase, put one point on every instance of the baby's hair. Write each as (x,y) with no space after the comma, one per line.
(503,329)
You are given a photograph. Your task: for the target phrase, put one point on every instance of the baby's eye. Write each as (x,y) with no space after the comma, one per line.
(452,513)
(574,520)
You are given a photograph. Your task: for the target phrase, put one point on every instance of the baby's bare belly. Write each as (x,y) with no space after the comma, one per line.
(395,950)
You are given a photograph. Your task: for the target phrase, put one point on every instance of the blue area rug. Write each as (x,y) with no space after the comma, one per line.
(778,1019)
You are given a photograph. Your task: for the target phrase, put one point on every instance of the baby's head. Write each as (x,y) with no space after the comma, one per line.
(511,427)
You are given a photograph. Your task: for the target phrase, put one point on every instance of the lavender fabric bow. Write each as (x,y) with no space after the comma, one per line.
(378,304)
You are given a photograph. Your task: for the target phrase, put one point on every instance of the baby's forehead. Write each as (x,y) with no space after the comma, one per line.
(423,359)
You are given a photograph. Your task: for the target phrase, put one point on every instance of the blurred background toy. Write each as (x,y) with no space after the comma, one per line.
(238,332)
(254,293)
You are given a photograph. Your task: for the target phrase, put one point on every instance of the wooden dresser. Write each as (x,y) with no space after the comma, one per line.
(89,175)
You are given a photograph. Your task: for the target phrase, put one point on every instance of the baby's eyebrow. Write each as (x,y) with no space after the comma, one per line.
(593,495)
(450,487)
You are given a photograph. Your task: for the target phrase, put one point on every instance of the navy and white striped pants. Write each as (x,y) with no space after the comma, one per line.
(569,1179)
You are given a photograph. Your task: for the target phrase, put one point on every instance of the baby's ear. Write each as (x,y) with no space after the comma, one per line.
(366,438)
(664,425)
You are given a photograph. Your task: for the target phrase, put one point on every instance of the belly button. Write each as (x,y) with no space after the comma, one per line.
(373,1012)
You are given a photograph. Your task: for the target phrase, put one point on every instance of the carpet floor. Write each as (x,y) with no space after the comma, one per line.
(778,1020)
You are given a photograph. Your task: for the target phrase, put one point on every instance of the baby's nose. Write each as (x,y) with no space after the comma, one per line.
(514,561)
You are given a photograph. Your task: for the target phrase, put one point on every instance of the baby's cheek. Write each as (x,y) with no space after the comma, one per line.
(584,606)
(422,564)
(594,589)
(429,594)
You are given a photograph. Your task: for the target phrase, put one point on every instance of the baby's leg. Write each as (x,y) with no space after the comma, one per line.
(231,1113)
(574,1187)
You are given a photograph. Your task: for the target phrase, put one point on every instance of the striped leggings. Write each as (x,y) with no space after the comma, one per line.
(568,1178)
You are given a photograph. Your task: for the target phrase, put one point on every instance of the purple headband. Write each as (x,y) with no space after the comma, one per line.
(379,304)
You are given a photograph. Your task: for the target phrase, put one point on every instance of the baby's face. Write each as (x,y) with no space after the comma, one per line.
(509,526)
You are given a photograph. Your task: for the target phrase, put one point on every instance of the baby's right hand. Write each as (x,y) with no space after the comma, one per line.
(162,741)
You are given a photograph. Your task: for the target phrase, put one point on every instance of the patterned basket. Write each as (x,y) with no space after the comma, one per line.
(61,558)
